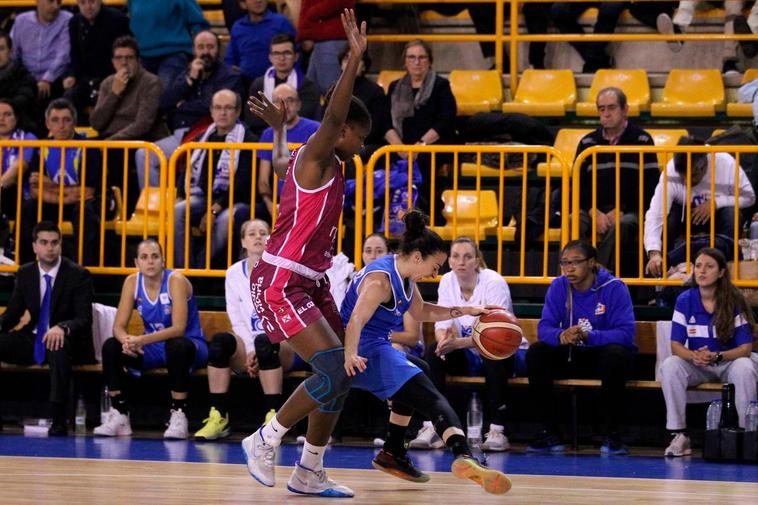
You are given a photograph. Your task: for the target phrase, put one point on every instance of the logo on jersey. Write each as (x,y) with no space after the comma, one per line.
(692,319)
(305,307)
(164,298)
(599,309)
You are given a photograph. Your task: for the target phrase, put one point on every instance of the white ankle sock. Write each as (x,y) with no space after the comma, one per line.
(273,432)
(312,457)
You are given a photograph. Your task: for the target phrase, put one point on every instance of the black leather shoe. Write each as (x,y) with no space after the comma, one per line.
(58,430)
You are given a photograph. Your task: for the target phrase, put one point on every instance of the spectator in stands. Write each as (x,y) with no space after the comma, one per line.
(227,163)
(92,33)
(127,103)
(299,129)
(674,209)
(164,31)
(78,196)
(373,97)
(41,44)
(172,338)
(14,159)
(748,26)
(685,13)
(234,351)
(16,83)
(586,330)
(283,70)
(565,16)
(250,40)
(711,341)
(57,294)
(422,107)
(615,129)
(320,33)
(470,282)
(188,100)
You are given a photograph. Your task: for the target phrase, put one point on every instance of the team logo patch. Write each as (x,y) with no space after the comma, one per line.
(691,331)
(286,318)
(692,319)
(599,309)
(164,298)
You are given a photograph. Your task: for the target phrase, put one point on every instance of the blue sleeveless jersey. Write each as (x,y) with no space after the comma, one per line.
(387,369)
(156,314)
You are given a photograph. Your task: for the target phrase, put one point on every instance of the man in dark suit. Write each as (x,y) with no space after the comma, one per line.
(57,293)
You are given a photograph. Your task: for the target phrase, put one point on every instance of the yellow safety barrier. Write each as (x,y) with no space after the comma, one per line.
(478,212)
(46,196)
(513,37)
(180,162)
(591,155)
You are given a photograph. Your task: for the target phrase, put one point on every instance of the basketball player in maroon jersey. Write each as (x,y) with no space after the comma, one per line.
(290,289)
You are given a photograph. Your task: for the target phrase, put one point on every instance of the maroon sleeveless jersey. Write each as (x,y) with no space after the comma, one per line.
(306,226)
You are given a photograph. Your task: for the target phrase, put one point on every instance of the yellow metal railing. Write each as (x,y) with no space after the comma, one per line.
(381,160)
(591,155)
(184,153)
(513,37)
(119,222)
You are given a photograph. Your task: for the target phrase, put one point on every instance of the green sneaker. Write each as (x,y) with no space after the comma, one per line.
(269,416)
(215,426)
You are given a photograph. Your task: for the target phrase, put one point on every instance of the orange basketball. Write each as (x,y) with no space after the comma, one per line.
(497,335)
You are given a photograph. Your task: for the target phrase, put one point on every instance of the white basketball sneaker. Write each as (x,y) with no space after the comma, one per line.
(427,438)
(495,441)
(116,425)
(305,481)
(260,458)
(177,426)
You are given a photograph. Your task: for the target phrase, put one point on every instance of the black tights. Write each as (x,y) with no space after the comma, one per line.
(180,355)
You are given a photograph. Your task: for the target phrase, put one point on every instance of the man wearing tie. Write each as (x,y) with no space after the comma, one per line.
(57,293)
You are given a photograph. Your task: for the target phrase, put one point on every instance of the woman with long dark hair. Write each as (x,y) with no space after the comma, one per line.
(711,340)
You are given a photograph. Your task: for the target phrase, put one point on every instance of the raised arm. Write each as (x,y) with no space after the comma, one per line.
(425,311)
(275,115)
(318,155)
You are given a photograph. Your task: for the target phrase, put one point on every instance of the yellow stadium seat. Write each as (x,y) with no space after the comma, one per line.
(666,138)
(430,16)
(736,109)
(148,208)
(466,210)
(87,131)
(633,83)
(387,76)
(476,90)
(544,93)
(469,170)
(566,143)
(691,93)
(717,131)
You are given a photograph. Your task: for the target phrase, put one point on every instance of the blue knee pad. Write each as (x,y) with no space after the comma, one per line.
(334,406)
(329,380)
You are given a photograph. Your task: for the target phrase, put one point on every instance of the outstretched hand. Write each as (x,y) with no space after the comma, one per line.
(274,115)
(356,37)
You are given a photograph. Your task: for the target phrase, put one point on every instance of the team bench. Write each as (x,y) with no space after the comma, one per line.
(216,321)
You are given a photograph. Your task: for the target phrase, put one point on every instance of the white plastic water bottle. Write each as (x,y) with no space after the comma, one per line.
(105,405)
(80,417)
(713,416)
(474,421)
(751,417)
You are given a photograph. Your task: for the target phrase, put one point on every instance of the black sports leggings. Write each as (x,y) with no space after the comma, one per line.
(420,394)
(180,354)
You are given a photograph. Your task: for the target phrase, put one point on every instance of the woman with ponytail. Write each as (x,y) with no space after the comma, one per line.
(711,340)
(374,306)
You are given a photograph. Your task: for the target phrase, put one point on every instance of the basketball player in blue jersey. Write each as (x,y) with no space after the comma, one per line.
(172,338)
(374,306)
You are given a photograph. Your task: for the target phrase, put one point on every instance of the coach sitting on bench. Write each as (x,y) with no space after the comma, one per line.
(586,331)
(57,293)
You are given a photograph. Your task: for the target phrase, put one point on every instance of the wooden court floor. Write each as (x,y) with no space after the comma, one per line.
(32,480)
